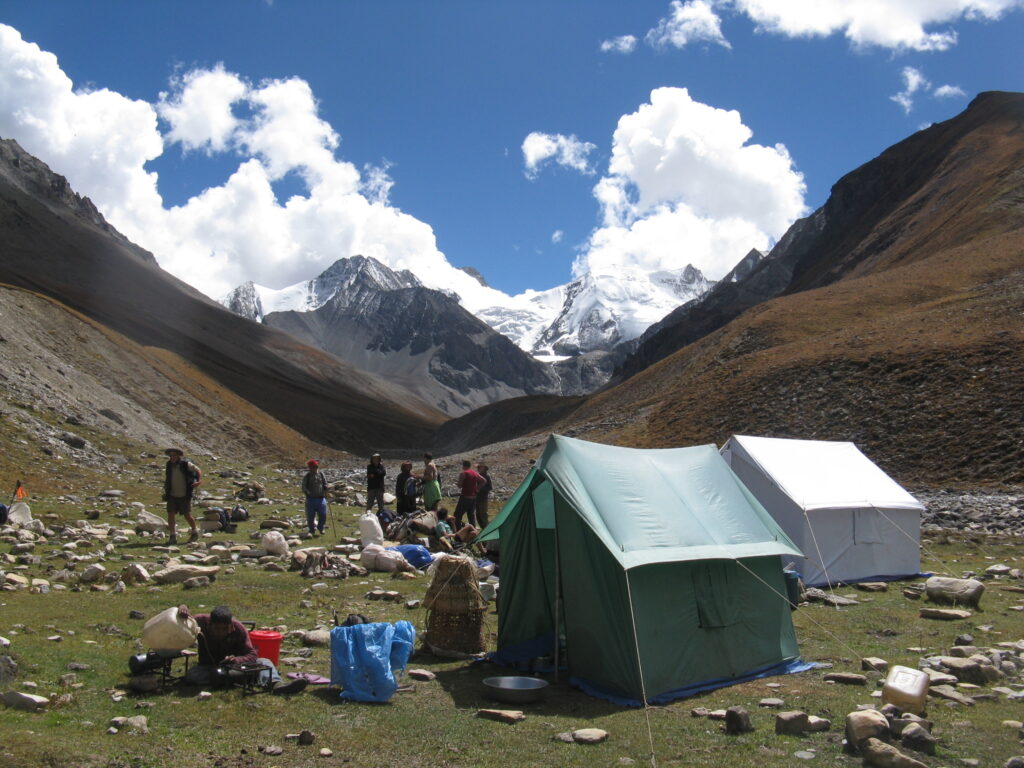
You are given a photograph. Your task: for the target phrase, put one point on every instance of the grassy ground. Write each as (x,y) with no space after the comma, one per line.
(436,724)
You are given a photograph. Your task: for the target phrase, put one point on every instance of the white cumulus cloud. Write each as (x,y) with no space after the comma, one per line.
(238,230)
(913,81)
(686,186)
(569,151)
(691,22)
(949,92)
(894,24)
(620,44)
(199,112)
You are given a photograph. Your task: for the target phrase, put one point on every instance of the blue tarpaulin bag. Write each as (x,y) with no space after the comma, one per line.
(365,657)
(416,555)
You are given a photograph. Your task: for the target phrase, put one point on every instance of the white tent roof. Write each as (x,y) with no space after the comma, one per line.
(818,474)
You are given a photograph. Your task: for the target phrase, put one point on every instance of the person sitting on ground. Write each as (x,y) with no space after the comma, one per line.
(314,487)
(181,477)
(443,530)
(223,642)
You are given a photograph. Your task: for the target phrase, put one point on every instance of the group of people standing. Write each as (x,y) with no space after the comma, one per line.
(474,492)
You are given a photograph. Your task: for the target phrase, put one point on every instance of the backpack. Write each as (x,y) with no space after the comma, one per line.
(239,514)
(410,487)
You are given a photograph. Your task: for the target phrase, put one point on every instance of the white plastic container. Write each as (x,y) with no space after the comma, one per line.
(167,631)
(906,688)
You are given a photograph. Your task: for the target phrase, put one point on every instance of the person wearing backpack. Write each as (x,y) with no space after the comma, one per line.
(430,483)
(181,477)
(405,490)
(314,488)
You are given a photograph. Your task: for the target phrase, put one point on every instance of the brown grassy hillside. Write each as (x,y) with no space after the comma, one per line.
(921,365)
(892,317)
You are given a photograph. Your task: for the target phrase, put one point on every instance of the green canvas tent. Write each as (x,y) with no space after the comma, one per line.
(661,570)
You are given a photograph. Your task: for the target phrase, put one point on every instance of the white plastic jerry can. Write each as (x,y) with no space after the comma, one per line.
(906,688)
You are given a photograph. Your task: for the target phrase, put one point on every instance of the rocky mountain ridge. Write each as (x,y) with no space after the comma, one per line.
(57,246)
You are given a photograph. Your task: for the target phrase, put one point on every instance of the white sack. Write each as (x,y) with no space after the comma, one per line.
(273,542)
(369,529)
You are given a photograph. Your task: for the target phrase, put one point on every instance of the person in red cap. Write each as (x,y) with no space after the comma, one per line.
(314,486)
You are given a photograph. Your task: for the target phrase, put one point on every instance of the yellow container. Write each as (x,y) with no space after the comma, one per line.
(906,688)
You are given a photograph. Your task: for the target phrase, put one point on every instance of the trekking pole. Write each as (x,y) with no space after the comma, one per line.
(330,511)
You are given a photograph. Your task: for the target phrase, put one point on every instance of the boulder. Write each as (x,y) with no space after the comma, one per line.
(943,589)
(964,670)
(196,582)
(793,723)
(8,671)
(737,720)
(28,702)
(862,725)
(317,638)
(916,737)
(134,574)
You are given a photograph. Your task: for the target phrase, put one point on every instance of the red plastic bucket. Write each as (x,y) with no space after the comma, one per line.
(267,644)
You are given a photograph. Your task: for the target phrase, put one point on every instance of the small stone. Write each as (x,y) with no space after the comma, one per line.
(872,586)
(846,678)
(945,614)
(56,638)
(412,604)
(325,752)
(1015,762)
(272,750)
(874,664)
(204,695)
(589,736)
(138,724)
(421,674)
(880,754)
(566,737)
(196,582)
(916,737)
(737,720)
(502,715)
(803,754)
(306,738)
(700,712)
(950,694)
(136,615)
(771,703)
(112,730)
(818,724)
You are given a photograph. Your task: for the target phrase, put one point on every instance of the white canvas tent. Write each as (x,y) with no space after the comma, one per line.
(851,520)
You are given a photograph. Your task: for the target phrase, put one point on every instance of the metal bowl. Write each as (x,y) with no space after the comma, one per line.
(515,689)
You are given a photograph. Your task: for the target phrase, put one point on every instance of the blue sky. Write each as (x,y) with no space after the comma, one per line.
(437,99)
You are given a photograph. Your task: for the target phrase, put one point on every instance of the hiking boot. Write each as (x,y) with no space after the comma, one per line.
(292,686)
(194,536)
(172,540)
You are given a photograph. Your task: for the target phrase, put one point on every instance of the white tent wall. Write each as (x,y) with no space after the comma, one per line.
(844,542)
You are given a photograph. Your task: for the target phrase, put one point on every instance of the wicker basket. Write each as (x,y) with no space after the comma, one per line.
(455,618)
(461,633)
